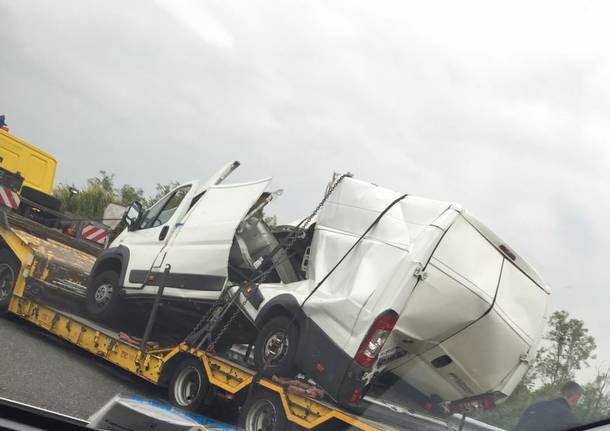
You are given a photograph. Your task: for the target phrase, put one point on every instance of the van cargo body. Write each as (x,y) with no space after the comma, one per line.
(470,311)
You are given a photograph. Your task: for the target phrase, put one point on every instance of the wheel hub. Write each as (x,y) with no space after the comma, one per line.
(261,417)
(187,386)
(103,294)
(7,281)
(276,346)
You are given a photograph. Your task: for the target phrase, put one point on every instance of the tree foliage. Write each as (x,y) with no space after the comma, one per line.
(91,200)
(570,348)
(160,191)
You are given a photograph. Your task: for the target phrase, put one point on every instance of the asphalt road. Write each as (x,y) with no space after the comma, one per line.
(40,369)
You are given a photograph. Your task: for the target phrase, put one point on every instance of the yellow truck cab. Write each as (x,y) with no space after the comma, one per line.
(36,169)
(35,166)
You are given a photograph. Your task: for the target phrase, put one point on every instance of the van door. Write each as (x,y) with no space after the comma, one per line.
(462,280)
(158,223)
(199,252)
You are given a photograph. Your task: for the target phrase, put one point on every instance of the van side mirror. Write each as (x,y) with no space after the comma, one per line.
(132,215)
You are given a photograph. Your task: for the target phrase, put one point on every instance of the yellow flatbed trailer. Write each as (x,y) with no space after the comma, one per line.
(176,367)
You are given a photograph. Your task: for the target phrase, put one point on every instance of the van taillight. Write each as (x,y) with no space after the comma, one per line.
(375,339)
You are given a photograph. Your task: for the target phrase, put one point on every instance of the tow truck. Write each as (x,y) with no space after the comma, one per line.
(193,377)
(32,254)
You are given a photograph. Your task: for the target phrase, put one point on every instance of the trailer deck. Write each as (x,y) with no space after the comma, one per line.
(224,374)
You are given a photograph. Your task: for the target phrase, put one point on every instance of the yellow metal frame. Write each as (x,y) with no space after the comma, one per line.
(144,364)
(309,413)
(223,374)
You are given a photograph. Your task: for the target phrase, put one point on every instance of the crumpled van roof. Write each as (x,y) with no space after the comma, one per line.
(405,221)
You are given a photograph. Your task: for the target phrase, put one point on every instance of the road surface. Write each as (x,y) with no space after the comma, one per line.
(40,369)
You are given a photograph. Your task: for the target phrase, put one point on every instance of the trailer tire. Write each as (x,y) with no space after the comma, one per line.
(9,270)
(189,386)
(103,299)
(273,359)
(263,411)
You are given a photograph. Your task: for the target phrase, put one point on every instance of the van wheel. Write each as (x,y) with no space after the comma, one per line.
(9,270)
(103,296)
(263,412)
(189,386)
(276,347)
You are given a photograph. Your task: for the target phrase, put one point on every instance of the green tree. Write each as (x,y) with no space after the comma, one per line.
(160,191)
(570,348)
(91,200)
(128,194)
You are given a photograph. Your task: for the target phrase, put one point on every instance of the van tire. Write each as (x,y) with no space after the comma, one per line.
(103,298)
(189,387)
(263,410)
(276,347)
(9,270)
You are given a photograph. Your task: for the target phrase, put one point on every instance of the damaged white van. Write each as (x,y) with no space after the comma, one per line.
(429,294)
(380,283)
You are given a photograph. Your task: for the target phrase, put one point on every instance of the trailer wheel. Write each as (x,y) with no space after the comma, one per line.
(189,385)
(103,296)
(9,270)
(276,347)
(263,411)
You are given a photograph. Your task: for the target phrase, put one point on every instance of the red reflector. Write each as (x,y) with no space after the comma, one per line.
(375,339)
(488,404)
(356,395)
(427,405)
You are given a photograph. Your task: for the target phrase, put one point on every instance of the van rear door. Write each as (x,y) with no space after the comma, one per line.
(463,275)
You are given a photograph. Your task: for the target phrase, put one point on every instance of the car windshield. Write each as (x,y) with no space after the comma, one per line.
(444,162)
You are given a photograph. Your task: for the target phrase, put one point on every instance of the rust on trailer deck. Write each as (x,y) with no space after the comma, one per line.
(19,222)
(54,261)
(46,261)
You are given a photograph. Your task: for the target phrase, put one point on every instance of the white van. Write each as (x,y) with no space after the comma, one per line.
(462,313)
(429,294)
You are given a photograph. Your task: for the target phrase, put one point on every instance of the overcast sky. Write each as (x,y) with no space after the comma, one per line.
(501,107)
